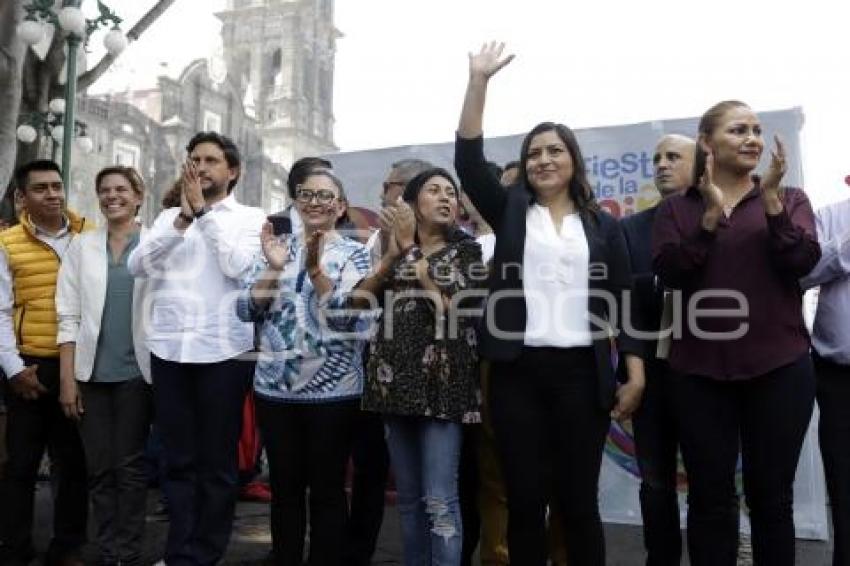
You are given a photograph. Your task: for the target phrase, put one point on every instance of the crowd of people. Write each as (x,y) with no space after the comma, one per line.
(478,342)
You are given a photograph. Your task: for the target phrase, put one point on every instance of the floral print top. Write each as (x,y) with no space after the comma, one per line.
(421,363)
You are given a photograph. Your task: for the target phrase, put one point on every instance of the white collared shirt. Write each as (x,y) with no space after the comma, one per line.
(831,334)
(10,357)
(488,247)
(554,275)
(195,278)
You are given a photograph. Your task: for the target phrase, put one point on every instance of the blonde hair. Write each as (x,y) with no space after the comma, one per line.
(129,173)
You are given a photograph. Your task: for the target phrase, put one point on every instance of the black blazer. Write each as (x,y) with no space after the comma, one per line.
(505,210)
(648,298)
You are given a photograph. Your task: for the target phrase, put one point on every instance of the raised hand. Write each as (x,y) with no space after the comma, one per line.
(192,192)
(185,207)
(314,252)
(482,66)
(711,193)
(275,251)
(775,171)
(488,61)
(405,225)
(386,221)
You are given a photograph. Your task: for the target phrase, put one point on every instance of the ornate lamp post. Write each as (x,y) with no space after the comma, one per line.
(69,18)
(52,124)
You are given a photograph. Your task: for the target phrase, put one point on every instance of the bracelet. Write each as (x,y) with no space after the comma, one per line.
(185,217)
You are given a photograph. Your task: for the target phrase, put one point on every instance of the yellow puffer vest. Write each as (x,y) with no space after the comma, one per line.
(34,267)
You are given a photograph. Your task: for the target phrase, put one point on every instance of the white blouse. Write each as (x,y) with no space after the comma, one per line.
(555,281)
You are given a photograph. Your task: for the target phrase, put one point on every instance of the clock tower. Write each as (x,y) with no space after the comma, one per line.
(281,54)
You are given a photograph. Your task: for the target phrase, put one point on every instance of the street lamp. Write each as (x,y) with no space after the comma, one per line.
(51,124)
(70,18)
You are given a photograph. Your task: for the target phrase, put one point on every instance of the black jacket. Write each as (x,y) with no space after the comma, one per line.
(648,298)
(609,270)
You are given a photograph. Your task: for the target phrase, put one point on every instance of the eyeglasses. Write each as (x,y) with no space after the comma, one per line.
(390,184)
(306,196)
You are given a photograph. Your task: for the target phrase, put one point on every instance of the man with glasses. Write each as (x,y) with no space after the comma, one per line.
(400,174)
(196,256)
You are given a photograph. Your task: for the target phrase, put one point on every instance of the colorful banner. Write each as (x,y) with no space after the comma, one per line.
(619,163)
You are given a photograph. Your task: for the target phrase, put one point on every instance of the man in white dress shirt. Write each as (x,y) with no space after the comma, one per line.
(195,256)
(831,353)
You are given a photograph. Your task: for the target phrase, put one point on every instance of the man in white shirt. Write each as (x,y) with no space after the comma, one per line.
(195,256)
(831,356)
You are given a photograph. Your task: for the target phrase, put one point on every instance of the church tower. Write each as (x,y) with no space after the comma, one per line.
(281,53)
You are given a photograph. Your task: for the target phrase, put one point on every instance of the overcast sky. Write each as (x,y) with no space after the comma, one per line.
(401,65)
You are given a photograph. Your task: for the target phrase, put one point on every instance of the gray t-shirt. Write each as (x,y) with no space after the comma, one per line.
(115,360)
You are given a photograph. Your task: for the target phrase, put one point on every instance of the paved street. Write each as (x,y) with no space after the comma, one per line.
(251,539)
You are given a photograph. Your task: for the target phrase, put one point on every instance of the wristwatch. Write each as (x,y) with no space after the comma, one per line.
(199,213)
(185,217)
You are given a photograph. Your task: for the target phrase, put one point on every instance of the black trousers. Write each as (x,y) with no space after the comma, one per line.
(114,429)
(546,416)
(833,394)
(765,420)
(308,447)
(198,409)
(469,484)
(33,426)
(371,463)
(657,444)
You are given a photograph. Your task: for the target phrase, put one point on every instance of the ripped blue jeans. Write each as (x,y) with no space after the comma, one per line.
(425,454)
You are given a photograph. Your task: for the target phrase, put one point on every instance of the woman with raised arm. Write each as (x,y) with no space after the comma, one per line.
(105,366)
(309,375)
(423,368)
(560,271)
(737,244)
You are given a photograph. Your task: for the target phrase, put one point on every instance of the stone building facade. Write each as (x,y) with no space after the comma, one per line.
(281,54)
(271,92)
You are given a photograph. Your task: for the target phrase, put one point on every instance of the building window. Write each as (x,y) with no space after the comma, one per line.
(326,89)
(277,68)
(308,82)
(126,153)
(100,137)
(212,122)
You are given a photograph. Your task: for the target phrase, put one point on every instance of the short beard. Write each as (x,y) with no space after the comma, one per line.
(41,218)
(214,191)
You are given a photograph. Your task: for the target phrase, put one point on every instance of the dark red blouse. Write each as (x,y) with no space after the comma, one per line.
(750,265)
